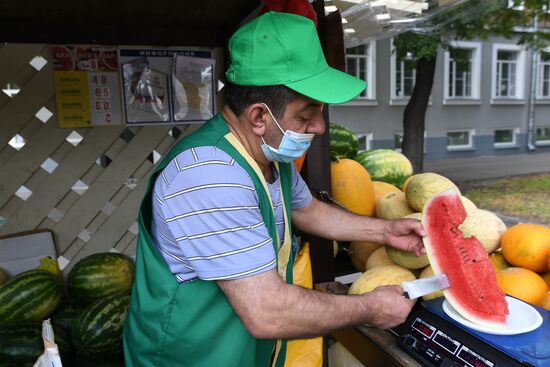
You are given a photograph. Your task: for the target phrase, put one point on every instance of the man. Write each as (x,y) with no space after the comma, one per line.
(214,262)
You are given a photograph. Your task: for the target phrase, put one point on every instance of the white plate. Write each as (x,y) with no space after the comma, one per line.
(522,318)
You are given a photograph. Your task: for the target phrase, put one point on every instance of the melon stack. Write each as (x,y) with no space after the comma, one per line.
(87,321)
(380,183)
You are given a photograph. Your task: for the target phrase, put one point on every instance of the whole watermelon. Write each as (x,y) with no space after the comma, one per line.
(343,142)
(21,343)
(65,315)
(31,295)
(97,331)
(100,275)
(386,165)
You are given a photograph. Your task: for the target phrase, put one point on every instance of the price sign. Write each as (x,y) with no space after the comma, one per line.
(87,85)
(105,105)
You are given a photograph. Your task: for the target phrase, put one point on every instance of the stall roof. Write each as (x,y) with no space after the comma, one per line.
(158,22)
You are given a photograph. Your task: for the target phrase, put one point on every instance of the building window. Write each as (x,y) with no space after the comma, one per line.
(361,63)
(365,142)
(543,136)
(460,73)
(398,142)
(544,75)
(462,70)
(508,71)
(505,137)
(403,75)
(462,139)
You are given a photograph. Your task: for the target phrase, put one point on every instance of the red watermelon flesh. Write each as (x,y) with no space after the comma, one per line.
(473,290)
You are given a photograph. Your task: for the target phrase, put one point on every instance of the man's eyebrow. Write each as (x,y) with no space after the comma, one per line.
(310,106)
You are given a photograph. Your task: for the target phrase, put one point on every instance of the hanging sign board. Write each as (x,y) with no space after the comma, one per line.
(167,86)
(86,85)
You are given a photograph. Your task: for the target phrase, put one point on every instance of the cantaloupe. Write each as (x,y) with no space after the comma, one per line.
(379,276)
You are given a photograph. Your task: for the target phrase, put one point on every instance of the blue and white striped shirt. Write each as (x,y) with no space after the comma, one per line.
(206,219)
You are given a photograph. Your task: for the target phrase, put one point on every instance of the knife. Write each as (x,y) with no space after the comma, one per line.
(420,287)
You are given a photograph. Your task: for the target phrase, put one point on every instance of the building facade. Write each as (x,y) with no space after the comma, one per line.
(479,107)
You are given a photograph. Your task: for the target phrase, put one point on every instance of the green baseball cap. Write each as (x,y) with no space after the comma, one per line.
(284,49)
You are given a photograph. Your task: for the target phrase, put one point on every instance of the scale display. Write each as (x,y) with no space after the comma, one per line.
(434,342)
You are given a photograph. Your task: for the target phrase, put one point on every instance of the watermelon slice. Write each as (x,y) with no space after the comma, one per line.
(473,290)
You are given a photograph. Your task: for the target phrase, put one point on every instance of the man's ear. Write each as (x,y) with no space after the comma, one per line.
(257,115)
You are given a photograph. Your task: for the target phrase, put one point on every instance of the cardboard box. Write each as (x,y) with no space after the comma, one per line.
(22,251)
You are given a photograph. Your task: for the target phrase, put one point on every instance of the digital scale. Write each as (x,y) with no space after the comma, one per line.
(434,339)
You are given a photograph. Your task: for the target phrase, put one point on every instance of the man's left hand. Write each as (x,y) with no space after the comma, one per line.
(406,234)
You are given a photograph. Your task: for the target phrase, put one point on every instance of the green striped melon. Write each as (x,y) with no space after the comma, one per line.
(65,315)
(97,331)
(100,275)
(31,295)
(21,343)
(343,142)
(386,165)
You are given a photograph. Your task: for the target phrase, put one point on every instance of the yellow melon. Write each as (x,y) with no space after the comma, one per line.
(546,277)
(522,283)
(379,257)
(407,259)
(393,205)
(425,185)
(352,187)
(486,226)
(382,188)
(498,261)
(360,251)
(528,246)
(468,205)
(379,276)
(545,301)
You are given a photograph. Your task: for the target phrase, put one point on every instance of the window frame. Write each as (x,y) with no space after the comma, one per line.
(542,142)
(519,77)
(368,140)
(469,146)
(394,98)
(476,49)
(512,144)
(400,133)
(370,57)
(540,81)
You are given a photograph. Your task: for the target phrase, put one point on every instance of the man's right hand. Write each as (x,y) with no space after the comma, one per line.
(387,307)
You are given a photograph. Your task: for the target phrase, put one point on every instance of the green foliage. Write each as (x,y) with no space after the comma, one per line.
(477,19)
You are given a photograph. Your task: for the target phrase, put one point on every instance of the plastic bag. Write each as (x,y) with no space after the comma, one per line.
(192,80)
(304,352)
(50,357)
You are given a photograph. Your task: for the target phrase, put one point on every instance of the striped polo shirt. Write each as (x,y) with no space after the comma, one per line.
(206,218)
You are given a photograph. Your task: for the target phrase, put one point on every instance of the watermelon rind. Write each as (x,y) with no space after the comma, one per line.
(21,343)
(100,275)
(386,165)
(473,290)
(343,142)
(31,295)
(97,331)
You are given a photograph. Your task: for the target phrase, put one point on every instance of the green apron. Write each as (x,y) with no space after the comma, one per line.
(192,323)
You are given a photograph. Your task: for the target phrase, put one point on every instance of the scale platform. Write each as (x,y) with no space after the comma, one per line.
(436,340)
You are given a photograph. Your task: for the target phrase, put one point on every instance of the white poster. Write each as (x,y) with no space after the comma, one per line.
(167,86)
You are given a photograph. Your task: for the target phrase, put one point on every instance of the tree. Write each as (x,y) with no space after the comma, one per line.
(473,19)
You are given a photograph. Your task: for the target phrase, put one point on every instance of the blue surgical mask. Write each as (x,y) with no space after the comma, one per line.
(293,145)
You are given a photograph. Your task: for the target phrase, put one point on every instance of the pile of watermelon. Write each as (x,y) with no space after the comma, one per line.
(87,318)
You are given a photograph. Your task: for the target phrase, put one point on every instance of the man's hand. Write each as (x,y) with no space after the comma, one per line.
(406,234)
(387,306)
